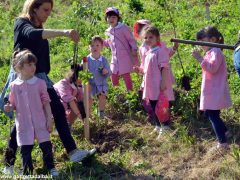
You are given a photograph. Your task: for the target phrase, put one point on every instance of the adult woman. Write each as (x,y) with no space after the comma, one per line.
(29,33)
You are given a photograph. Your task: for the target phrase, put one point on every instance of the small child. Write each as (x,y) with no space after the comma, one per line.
(99,67)
(154,69)
(214,90)
(34,120)
(143,49)
(70,91)
(123,47)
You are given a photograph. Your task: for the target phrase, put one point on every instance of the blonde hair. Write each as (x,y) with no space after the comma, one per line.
(22,57)
(30,5)
(151,29)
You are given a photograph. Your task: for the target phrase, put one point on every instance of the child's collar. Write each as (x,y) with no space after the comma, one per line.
(154,49)
(19,81)
(119,25)
(99,59)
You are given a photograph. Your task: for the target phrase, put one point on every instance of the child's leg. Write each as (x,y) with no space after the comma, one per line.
(153,104)
(236,61)
(81,109)
(10,153)
(102,102)
(128,81)
(115,79)
(71,117)
(90,106)
(217,124)
(46,148)
(27,159)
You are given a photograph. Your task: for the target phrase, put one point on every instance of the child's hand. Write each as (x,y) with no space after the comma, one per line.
(136,69)
(104,71)
(50,124)
(196,54)
(8,107)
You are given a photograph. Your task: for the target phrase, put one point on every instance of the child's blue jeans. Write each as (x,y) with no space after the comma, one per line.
(236,61)
(217,124)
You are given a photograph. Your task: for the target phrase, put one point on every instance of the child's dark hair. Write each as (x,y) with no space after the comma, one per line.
(210,32)
(150,29)
(21,57)
(74,72)
(96,38)
(111,13)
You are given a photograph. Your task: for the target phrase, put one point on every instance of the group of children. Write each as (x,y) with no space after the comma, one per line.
(156,86)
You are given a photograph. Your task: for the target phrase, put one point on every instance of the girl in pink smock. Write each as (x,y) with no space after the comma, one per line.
(143,49)
(154,69)
(214,89)
(34,120)
(123,47)
(70,92)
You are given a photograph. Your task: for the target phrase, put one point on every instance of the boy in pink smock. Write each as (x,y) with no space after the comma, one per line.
(123,47)
(70,92)
(214,89)
(34,120)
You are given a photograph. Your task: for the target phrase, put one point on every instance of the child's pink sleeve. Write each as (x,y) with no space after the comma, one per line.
(129,36)
(212,65)
(106,43)
(43,92)
(65,92)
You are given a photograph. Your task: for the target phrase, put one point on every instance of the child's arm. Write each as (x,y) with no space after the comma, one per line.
(196,54)
(173,49)
(163,85)
(75,109)
(106,69)
(49,116)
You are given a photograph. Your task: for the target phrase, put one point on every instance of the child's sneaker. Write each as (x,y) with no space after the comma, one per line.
(163,130)
(155,130)
(8,170)
(220,148)
(54,172)
(78,155)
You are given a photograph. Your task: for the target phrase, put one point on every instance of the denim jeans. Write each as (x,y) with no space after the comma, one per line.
(218,125)
(236,61)
(11,77)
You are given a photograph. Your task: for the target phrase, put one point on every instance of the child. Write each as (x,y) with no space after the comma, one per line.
(154,69)
(214,90)
(70,91)
(123,47)
(99,67)
(34,120)
(138,26)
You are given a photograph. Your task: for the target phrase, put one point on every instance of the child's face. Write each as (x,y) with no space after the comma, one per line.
(96,47)
(112,20)
(150,39)
(28,69)
(206,39)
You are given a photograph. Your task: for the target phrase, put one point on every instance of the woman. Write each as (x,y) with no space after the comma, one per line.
(29,33)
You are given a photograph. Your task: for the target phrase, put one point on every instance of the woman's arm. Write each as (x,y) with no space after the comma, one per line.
(52,33)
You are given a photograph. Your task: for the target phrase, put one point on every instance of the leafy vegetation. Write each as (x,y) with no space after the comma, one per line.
(125,147)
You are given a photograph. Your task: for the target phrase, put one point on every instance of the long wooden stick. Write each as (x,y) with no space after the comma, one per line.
(86,103)
(201,43)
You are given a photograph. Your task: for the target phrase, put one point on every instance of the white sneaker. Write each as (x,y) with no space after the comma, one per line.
(78,155)
(8,170)
(163,130)
(155,130)
(54,172)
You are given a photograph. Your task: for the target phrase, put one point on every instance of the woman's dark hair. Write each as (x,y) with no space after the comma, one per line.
(210,32)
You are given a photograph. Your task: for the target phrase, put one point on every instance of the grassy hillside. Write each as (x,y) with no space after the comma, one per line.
(126,150)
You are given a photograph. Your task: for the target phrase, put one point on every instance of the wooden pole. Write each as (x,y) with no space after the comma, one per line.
(86,102)
(202,43)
